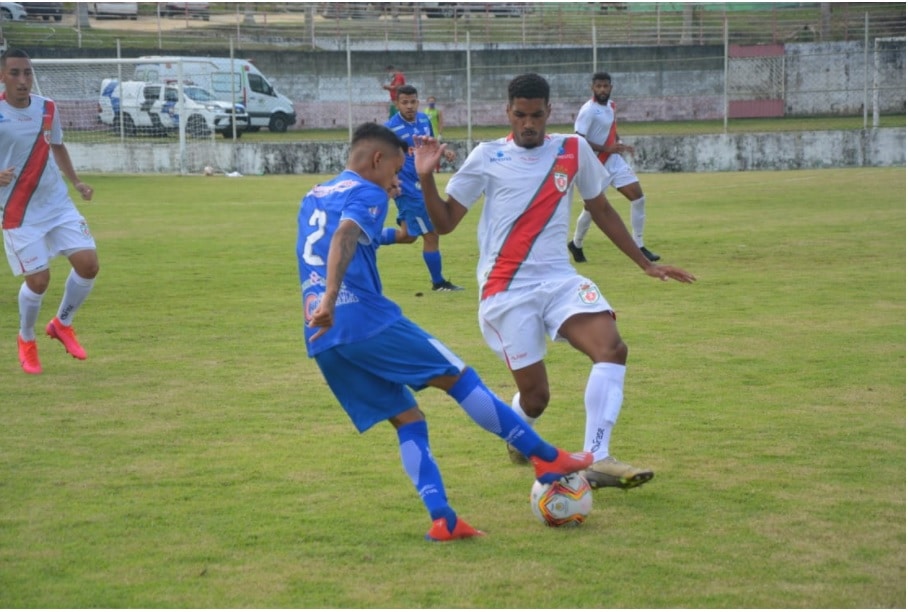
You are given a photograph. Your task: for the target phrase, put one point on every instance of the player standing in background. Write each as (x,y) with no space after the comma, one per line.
(529,289)
(435,117)
(396,79)
(596,121)
(412,219)
(437,120)
(369,352)
(40,220)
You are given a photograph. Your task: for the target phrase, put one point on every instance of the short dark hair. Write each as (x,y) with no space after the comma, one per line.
(12,53)
(374,131)
(602,76)
(529,86)
(389,67)
(407,90)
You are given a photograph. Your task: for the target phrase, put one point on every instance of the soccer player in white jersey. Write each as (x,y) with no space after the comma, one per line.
(596,121)
(528,287)
(40,220)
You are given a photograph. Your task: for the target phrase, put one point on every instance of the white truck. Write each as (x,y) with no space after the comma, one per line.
(248,86)
(140,107)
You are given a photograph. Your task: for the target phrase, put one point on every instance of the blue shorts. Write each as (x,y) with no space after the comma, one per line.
(413,212)
(370,377)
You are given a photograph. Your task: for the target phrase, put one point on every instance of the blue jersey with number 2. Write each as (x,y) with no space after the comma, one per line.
(361,310)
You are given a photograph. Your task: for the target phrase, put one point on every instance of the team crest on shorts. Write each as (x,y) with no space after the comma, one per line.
(588,293)
(83,227)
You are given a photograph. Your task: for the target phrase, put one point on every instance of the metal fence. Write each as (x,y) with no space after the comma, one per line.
(404,26)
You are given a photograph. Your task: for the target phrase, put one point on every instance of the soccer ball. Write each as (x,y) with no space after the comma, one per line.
(563,503)
(208,171)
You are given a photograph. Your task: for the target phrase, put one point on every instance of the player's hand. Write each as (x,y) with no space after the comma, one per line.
(665,273)
(84,190)
(323,318)
(623,148)
(7,176)
(427,153)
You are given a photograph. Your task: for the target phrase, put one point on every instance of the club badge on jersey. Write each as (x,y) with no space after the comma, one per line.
(562,178)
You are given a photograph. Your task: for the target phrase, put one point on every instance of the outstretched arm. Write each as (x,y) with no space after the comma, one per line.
(340,254)
(611,224)
(445,214)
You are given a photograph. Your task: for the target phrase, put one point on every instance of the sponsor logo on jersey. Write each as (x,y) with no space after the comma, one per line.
(310,304)
(4,119)
(500,157)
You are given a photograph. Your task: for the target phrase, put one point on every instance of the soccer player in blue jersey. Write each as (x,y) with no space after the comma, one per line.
(412,219)
(369,352)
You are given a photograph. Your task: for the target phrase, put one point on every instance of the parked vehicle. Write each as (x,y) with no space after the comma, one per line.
(459,9)
(139,107)
(196,10)
(116,10)
(45,10)
(247,86)
(12,11)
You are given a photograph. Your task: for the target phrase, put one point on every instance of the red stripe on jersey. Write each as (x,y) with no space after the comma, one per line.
(533,220)
(30,176)
(612,133)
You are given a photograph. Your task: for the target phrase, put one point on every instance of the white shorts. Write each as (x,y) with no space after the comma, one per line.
(619,172)
(30,248)
(515,323)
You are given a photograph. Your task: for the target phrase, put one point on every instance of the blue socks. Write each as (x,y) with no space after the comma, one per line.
(433,263)
(420,466)
(496,417)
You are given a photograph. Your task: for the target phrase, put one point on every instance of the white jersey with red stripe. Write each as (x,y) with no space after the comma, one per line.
(19,130)
(596,122)
(527,211)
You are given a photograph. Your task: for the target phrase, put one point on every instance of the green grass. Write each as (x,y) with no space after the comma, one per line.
(198,460)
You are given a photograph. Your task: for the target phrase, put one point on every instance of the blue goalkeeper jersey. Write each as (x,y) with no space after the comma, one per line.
(405,130)
(361,310)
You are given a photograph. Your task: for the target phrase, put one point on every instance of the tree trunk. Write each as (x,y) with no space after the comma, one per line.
(687,24)
(82,15)
(825,19)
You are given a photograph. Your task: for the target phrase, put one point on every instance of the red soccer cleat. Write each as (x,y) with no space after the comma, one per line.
(67,335)
(28,356)
(462,530)
(565,463)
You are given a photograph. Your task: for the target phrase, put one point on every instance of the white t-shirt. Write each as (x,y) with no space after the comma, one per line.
(597,124)
(524,225)
(19,129)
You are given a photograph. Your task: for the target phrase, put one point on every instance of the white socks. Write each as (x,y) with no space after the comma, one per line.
(638,217)
(515,404)
(29,307)
(584,221)
(603,397)
(77,289)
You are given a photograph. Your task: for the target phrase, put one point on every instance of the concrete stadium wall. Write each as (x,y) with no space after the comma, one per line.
(703,153)
(665,83)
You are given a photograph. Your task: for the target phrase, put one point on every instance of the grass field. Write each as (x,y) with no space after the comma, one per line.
(197,459)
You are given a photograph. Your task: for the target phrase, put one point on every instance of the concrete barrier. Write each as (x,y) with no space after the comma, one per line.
(701,153)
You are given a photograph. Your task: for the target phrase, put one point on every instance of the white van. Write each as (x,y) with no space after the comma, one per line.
(249,87)
(138,107)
